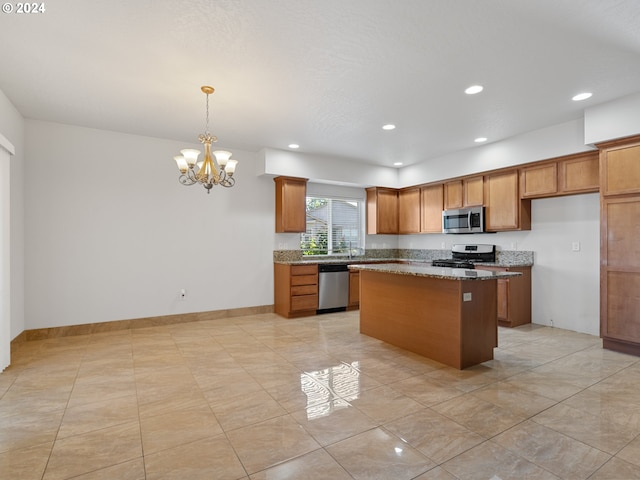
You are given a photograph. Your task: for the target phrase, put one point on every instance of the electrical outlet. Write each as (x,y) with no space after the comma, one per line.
(466,297)
(443,245)
(575,246)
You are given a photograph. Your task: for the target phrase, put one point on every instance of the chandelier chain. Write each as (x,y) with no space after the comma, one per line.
(207,126)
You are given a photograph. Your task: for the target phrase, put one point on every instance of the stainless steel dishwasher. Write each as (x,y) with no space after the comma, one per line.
(333,287)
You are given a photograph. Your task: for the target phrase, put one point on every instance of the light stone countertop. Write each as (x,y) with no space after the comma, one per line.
(362,260)
(337,260)
(504,258)
(444,273)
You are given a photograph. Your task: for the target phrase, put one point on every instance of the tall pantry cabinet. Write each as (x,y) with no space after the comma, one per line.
(620,245)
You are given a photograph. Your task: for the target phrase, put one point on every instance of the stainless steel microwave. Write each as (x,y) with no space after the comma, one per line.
(464,220)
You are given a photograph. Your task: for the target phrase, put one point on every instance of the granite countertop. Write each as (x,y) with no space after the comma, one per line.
(504,258)
(433,272)
(362,260)
(335,260)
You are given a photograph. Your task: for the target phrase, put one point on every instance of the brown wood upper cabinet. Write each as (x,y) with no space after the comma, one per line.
(453,194)
(579,173)
(504,210)
(473,189)
(382,210)
(291,197)
(620,169)
(420,209)
(431,203)
(539,180)
(409,210)
(466,192)
(562,176)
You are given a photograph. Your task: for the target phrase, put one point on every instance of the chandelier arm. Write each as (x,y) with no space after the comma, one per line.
(228,182)
(184,179)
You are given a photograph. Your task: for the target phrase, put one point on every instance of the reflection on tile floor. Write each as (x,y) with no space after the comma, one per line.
(262,397)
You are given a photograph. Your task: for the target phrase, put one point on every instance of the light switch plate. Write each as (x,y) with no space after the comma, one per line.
(466,297)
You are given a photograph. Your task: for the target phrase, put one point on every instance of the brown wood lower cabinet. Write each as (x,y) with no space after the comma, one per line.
(427,316)
(354,290)
(514,296)
(620,274)
(295,290)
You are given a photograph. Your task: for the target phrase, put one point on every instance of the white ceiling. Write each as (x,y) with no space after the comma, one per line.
(326,74)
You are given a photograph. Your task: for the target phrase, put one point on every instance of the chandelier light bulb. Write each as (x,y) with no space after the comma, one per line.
(222,157)
(182,163)
(231,167)
(191,156)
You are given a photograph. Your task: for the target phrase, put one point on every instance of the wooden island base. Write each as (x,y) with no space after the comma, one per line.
(428,316)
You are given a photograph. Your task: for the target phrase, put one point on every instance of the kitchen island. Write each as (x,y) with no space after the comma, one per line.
(446,314)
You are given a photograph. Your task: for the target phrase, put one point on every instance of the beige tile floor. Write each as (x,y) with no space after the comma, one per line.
(262,397)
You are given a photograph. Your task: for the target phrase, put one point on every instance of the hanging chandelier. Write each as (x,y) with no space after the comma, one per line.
(205,172)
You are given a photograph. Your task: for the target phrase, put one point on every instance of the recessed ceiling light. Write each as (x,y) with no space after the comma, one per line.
(581,96)
(472,90)
(480,139)
(294,145)
(397,164)
(388,126)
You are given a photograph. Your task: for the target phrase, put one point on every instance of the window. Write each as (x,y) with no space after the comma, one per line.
(333,226)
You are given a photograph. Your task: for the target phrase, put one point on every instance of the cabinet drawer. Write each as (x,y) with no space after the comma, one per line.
(304,290)
(304,269)
(304,302)
(304,280)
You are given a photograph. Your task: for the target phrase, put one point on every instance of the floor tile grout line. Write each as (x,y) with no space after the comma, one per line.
(66,407)
(135,379)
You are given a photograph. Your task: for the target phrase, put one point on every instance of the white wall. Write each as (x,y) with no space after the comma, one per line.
(550,142)
(325,169)
(6,150)
(565,284)
(12,128)
(615,119)
(111,234)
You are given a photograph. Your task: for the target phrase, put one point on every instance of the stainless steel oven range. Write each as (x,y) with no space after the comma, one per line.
(465,256)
